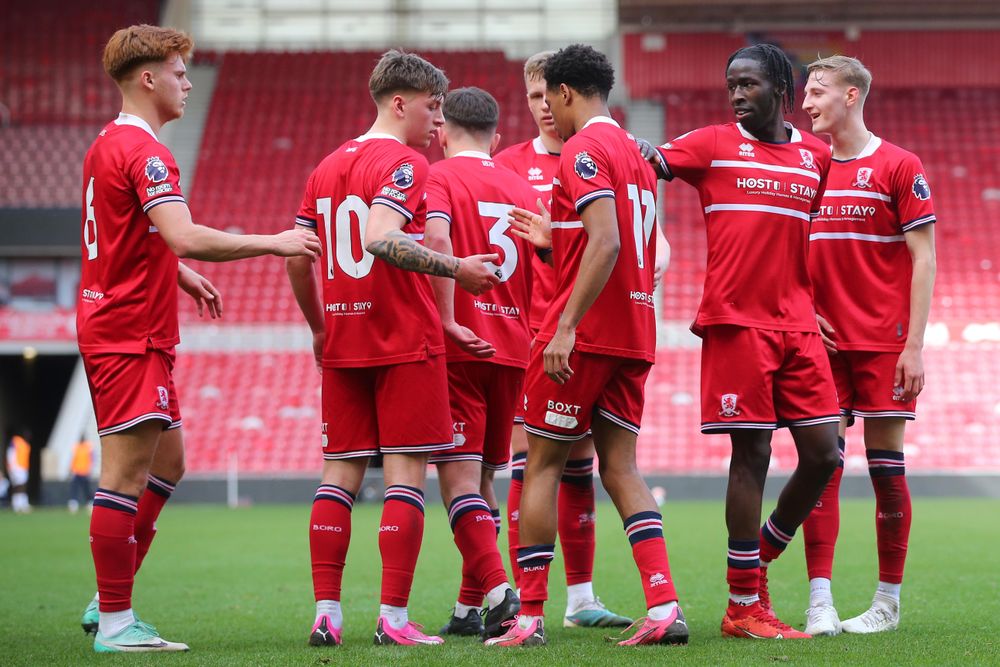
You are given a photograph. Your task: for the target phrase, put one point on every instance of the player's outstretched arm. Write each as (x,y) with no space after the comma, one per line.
(596,264)
(652,156)
(385,239)
(191,241)
(910,366)
(302,276)
(437,237)
(201,290)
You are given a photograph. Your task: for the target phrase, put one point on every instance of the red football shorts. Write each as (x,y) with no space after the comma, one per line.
(762,379)
(396,409)
(484,397)
(865,385)
(612,387)
(131,388)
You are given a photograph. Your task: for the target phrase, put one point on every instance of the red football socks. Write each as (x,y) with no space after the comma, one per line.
(576,520)
(399,538)
(329,539)
(113,545)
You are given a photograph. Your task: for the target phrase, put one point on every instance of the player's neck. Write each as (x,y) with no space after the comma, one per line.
(145,112)
(466,146)
(773,132)
(384,126)
(551,144)
(591,110)
(850,139)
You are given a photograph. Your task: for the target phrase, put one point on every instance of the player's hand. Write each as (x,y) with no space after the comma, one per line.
(650,155)
(201,290)
(826,332)
(296,242)
(469,341)
(909,373)
(319,341)
(475,275)
(556,355)
(533,227)
(662,262)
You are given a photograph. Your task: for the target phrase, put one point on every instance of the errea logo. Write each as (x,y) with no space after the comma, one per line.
(534,174)
(746,150)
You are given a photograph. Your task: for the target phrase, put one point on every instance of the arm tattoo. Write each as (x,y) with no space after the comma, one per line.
(403,252)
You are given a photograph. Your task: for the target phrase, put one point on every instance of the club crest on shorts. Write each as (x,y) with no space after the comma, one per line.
(156,171)
(807,159)
(864,178)
(729,406)
(162,398)
(921,190)
(402,178)
(897,394)
(584,166)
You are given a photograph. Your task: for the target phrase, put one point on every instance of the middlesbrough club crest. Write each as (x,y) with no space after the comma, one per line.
(729,406)
(864,178)
(162,398)
(807,159)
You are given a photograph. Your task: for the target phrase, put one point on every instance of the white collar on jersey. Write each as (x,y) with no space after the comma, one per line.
(476,154)
(377,135)
(872,146)
(129,119)
(539,146)
(795,137)
(600,119)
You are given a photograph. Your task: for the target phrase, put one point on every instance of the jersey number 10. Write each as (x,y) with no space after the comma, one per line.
(340,248)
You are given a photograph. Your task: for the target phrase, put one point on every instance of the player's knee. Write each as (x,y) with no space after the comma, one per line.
(615,474)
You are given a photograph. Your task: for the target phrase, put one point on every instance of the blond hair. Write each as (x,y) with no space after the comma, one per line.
(534,67)
(397,72)
(849,70)
(140,44)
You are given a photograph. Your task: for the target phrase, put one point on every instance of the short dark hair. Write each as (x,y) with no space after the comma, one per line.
(472,109)
(776,65)
(582,68)
(397,72)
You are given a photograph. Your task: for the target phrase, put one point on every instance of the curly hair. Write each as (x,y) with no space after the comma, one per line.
(777,68)
(582,68)
(142,44)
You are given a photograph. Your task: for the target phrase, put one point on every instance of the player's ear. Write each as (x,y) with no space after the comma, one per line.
(852,95)
(494,143)
(442,135)
(398,105)
(566,92)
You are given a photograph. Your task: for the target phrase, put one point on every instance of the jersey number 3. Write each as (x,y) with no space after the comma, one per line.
(340,247)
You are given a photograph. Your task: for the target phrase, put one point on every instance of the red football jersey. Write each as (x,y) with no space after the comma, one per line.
(536,165)
(602,160)
(757,199)
(858,259)
(376,314)
(128,277)
(474,196)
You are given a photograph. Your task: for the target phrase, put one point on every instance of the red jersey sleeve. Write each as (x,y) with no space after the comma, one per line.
(307,209)
(912,194)
(401,184)
(152,172)
(438,196)
(585,174)
(688,156)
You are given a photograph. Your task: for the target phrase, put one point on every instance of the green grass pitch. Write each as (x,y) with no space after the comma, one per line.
(236,586)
